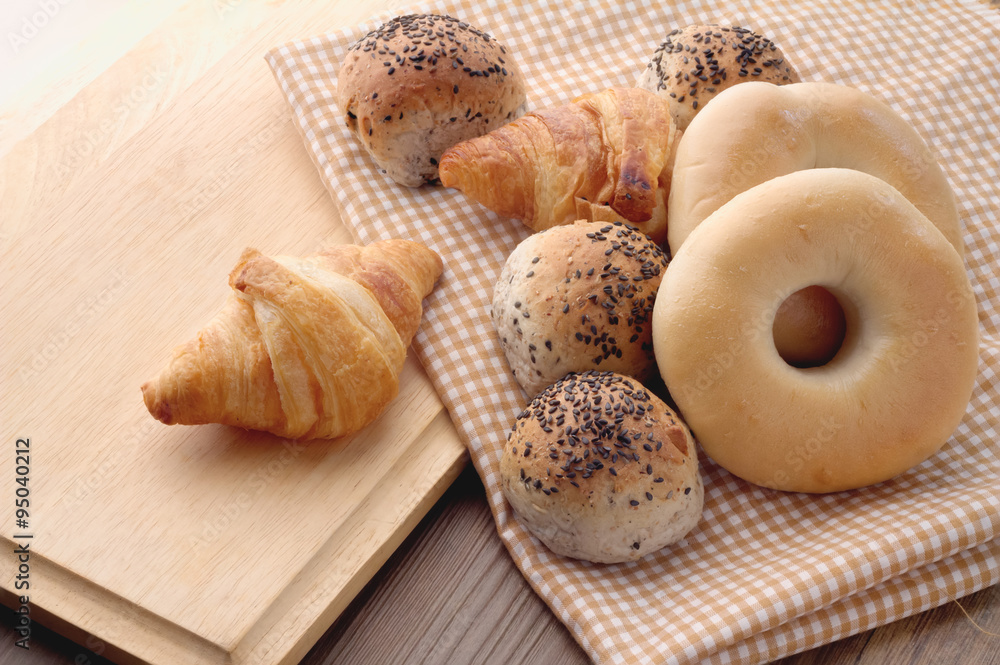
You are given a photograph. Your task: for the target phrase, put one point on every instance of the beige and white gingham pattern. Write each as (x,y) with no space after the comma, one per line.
(765,574)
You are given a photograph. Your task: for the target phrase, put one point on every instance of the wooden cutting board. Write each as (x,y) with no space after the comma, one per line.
(186,544)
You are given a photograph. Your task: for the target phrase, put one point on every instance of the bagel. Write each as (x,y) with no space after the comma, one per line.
(894,392)
(756,131)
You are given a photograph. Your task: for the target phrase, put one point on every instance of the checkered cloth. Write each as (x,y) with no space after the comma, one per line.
(765,574)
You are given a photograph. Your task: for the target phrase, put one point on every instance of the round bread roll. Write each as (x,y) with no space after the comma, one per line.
(599,469)
(422,83)
(899,385)
(696,63)
(578,297)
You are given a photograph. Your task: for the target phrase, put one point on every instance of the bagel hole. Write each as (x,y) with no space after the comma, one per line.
(809,327)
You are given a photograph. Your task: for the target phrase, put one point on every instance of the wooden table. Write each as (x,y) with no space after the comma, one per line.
(450,592)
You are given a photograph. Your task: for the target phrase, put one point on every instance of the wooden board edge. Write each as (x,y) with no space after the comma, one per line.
(126,633)
(324,588)
(105,622)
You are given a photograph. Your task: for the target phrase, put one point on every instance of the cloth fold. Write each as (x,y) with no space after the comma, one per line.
(765,574)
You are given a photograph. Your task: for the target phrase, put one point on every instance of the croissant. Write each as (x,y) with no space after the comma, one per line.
(604,157)
(304,348)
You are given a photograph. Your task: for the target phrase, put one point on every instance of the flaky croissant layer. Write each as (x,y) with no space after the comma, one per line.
(604,157)
(304,347)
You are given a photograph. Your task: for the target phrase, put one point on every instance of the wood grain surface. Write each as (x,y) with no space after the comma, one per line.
(168,114)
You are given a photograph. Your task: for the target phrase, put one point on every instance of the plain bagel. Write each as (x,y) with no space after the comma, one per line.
(901,382)
(756,131)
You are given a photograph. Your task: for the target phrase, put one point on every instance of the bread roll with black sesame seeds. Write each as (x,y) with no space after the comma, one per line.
(578,297)
(422,83)
(696,63)
(600,469)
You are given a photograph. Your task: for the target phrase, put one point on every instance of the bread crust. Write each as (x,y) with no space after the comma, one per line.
(305,347)
(755,132)
(600,469)
(420,84)
(696,63)
(893,394)
(604,156)
(578,297)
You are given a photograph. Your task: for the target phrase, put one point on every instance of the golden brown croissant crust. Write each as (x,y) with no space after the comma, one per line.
(304,347)
(603,157)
